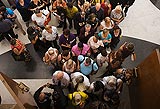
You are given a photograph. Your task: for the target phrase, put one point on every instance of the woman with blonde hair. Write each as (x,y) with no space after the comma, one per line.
(69,66)
(51,56)
(106,37)
(107,23)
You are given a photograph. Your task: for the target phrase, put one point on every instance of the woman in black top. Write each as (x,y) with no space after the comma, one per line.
(36,4)
(116,34)
(22,7)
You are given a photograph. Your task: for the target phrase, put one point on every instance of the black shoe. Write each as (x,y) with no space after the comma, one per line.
(16,36)
(59,26)
(70,27)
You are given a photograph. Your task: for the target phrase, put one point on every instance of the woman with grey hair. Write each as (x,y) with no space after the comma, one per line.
(117,14)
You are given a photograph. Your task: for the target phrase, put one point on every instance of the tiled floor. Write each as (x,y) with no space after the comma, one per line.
(141,25)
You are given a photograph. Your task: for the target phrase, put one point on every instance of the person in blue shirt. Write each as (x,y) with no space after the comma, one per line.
(8,13)
(106,37)
(87,66)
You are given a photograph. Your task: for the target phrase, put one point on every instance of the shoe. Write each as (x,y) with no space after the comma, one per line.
(70,27)
(16,36)
(59,26)
(27,24)
(16,27)
(24,33)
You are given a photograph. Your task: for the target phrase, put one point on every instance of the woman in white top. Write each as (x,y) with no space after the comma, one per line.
(40,17)
(69,66)
(51,56)
(107,23)
(94,42)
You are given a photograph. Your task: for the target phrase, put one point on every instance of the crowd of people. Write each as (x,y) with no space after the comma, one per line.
(75,57)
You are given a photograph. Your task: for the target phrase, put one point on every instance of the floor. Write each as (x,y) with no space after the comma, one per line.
(141,27)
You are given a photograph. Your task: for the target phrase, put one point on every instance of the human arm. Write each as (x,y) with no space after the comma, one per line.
(18,52)
(94,68)
(38,92)
(33,41)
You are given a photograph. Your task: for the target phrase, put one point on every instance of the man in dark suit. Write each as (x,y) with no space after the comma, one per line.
(80,19)
(98,11)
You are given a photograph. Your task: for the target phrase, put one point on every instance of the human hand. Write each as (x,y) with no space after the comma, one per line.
(86,33)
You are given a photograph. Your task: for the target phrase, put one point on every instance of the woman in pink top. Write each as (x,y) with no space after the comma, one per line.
(81,49)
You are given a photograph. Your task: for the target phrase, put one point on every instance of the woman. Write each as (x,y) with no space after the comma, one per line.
(65,56)
(41,18)
(81,49)
(106,23)
(19,50)
(78,99)
(36,4)
(116,33)
(51,56)
(69,66)
(117,15)
(22,7)
(106,37)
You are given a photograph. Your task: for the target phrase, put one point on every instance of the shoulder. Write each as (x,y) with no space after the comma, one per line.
(86,47)
(44,32)
(81,57)
(109,35)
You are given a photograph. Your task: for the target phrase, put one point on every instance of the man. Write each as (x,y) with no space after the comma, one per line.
(85,33)
(34,34)
(61,78)
(67,40)
(80,19)
(107,8)
(126,4)
(42,99)
(113,84)
(8,13)
(50,36)
(80,82)
(6,29)
(87,65)
(98,11)
(70,13)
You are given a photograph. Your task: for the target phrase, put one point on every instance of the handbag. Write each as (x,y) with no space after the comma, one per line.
(17,57)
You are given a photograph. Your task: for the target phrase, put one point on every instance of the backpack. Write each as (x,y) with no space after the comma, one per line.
(94,62)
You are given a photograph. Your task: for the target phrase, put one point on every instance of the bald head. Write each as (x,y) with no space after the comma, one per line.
(98,6)
(60,75)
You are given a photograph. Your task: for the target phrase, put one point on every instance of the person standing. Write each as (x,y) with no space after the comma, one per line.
(71,12)
(9,14)
(50,36)
(6,29)
(67,40)
(22,7)
(42,99)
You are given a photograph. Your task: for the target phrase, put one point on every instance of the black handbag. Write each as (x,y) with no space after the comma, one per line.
(18,57)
